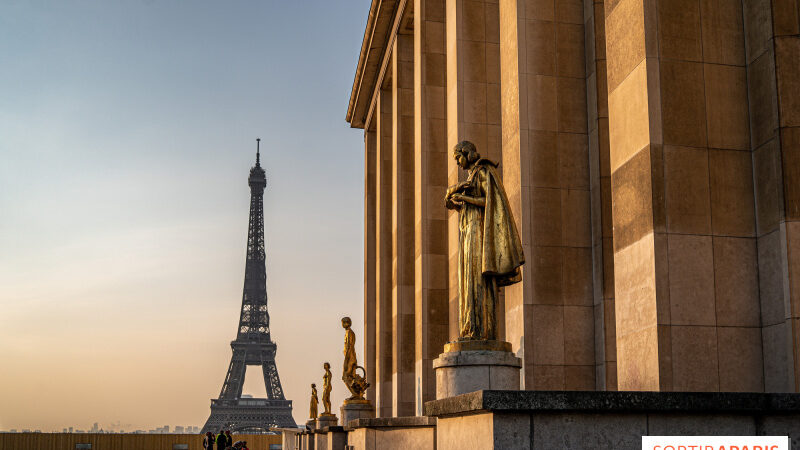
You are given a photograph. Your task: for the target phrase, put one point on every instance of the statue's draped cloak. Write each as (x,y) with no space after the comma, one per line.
(490,252)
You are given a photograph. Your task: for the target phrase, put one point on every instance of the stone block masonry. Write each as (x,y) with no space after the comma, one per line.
(650,151)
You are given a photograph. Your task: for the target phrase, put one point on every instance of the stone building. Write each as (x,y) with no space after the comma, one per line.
(651,154)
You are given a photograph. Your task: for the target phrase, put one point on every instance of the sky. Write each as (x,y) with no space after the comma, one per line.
(127,132)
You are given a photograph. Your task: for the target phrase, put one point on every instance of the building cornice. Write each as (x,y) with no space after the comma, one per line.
(373,49)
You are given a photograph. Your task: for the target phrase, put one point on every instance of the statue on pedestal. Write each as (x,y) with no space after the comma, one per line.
(357,384)
(490,250)
(314,402)
(326,390)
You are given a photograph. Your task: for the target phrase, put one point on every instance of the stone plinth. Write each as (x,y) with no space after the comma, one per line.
(591,420)
(469,366)
(356,409)
(337,438)
(288,437)
(307,440)
(415,432)
(326,420)
(320,439)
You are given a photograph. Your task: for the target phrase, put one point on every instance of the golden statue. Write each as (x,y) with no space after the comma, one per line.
(490,250)
(357,384)
(326,390)
(314,402)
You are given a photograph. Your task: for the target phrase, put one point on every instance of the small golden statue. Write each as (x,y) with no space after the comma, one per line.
(357,384)
(326,389)
(314,402)
(490,250)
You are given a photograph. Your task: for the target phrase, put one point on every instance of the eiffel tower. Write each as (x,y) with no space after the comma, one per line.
(253,345)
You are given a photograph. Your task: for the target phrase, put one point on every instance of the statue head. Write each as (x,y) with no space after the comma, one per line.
(313,386)
(465,154)
(326,366)
(346,322)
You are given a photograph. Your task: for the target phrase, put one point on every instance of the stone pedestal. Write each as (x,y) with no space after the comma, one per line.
(468,366)
(337,438)
(289,437)
(326,420)
(320,439)
(356,409)
(311,424)
(416,432)
(307,440)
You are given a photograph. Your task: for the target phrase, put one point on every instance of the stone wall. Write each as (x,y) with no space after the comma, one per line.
(597,420)
(650,153)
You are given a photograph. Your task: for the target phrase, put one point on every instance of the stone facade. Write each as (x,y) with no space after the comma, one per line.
(651,155)
(606,420)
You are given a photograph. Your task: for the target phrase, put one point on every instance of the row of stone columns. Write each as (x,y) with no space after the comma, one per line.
(696,275)
(650,153)
(409,266)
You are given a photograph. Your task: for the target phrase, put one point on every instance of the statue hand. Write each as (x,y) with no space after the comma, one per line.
(456,187)
(450,204)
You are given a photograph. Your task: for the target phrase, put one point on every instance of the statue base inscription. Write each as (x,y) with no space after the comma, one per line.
(356,409)
(474,365)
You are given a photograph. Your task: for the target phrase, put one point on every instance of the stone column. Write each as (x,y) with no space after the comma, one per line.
(549,316)
(430,178)
(473,107)
(403,225)
(786,14)
(370,263)
(686,274)
(772,53)
(600,193)
(383,254)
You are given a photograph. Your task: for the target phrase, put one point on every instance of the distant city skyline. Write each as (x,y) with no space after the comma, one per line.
(97,428)
(127,131)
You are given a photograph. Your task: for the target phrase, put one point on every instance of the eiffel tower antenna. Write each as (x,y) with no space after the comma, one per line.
(253,345)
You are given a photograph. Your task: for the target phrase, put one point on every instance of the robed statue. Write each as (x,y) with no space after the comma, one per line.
(312,411)
(357,384)
(326,389)
(489,247)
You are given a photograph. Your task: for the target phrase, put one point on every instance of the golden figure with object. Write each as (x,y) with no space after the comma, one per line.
(490,250)
(357,384)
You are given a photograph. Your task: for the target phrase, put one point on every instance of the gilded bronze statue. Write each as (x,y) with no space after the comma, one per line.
(326,389)
(312,412)
(490,250)
(357,384)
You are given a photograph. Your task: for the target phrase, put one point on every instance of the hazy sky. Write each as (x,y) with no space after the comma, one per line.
(127,131)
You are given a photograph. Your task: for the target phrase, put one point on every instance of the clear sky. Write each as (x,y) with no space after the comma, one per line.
(127,131)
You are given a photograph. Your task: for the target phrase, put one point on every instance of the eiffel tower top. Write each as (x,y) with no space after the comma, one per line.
(258,178)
